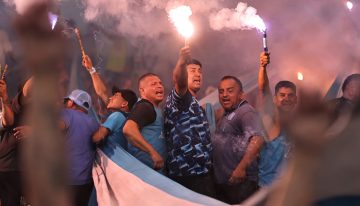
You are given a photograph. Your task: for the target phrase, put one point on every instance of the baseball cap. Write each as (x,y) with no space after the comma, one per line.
(127,94)
(81,98)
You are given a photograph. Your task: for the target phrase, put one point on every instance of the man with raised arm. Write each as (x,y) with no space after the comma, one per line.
(120,104)
(274,110)
(187,130)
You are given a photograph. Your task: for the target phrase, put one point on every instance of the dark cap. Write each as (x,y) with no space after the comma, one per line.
(127,94)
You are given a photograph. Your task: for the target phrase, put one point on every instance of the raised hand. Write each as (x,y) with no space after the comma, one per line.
(264,59)
(3,90)
(87,63)
(184,55)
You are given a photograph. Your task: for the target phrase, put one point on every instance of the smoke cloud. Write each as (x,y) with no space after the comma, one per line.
(137,18)
(318,38)
(242,17)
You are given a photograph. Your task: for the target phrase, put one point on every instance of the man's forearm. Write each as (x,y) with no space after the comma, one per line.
(252,152)
(134,136)
(264,100)
(100,87)
(180,78)
(100,134)
(263,81)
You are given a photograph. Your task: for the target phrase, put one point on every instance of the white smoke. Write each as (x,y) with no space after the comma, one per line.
(242,17)
(141,18)
(132,18)
(303,34)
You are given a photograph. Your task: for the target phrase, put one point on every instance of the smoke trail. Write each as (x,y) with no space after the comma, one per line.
(303,35)
(242,17)
(99,45)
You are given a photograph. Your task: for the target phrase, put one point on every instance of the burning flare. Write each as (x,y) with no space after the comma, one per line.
(53,18)
(349,5)
(180,17)
(300,76)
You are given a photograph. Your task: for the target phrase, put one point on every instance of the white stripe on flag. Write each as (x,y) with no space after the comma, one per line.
(116,186)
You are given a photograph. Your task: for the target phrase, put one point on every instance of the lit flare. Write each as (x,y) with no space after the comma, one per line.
(256,22)
(300,76)
(349,5)
(180,17)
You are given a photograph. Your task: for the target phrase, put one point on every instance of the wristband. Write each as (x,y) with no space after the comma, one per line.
(92,71)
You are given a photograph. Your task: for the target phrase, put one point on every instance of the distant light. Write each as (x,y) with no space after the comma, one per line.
(349,5)
(300,76)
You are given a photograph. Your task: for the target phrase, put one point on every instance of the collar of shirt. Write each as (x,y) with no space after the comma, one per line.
(235,108)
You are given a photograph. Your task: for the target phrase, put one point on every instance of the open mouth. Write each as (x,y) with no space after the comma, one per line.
(159,92)
(225,101)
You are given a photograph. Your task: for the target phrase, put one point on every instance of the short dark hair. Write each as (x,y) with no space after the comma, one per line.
(352,77)
(194,61)
(286,84)
(238,82)
(127,94)
(142,77)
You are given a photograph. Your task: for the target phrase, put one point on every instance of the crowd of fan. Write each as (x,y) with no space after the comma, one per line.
(229,159)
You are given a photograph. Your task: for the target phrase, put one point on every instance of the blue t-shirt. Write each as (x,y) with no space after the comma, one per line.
(80,147)
(271,159)
(187,136)
(232,137)
(115,123)
(151,122)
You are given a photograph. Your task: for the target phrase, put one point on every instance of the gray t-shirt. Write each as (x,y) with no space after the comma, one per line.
(232,136)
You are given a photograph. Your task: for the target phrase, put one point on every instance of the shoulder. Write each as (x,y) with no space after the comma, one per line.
(181,102)
(143,106)
(245,108)
(246,113)
(67,112)
(143,103)
(116,116)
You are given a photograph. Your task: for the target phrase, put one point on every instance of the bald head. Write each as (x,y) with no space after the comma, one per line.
(143,79)
(151,88)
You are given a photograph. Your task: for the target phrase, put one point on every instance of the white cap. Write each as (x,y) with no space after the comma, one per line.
(81,98)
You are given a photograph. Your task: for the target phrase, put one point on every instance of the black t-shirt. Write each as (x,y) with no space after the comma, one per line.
(143,113)
(9,146)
